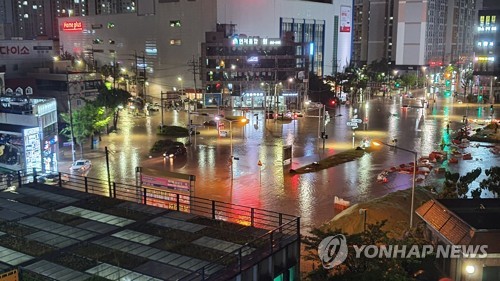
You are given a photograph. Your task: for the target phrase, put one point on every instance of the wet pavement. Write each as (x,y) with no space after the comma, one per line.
(271,186)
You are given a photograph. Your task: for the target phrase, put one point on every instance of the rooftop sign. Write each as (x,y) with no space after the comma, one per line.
(72,26)
(256,41)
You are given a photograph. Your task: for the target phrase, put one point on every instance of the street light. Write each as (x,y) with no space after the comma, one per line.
(243,120)
(378,143)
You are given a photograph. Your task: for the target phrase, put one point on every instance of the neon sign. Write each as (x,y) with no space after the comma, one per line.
(72,25)
(254,41)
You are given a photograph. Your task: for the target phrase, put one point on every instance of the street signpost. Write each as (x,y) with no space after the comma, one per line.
(357,120)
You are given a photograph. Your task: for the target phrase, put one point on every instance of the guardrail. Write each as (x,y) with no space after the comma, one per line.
(282,229)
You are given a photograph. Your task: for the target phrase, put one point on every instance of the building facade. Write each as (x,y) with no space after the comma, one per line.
(414,33)
(252,72)
(161,41)
(487,44)
(29,133)
(19,57)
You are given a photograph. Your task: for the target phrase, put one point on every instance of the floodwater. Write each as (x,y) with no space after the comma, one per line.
(271,186)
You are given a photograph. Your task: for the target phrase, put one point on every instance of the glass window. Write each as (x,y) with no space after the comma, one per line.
(175,23)
(175,42)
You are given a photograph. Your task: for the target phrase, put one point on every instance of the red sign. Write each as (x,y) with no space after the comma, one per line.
(14,50)
(72,26)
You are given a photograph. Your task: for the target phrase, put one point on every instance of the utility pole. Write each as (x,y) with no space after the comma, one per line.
(136,71)
(194,67)
(73,157)
(144,69)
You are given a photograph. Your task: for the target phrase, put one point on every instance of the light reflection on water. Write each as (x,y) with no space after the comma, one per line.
(309,195)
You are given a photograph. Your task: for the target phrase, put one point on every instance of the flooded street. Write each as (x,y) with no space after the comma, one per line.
(271,186)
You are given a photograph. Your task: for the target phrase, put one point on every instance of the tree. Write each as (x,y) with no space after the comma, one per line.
(321,90)
(492,183)
(363,268)
(456,186)
(112,100)
(86,121)
(409,79)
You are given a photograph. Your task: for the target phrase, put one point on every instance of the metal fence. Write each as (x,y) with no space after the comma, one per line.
(282,229)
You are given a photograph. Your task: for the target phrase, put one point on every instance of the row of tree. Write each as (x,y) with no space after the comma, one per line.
(92,118)
(355,79)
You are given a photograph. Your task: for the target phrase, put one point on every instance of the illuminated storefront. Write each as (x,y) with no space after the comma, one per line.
(28,134)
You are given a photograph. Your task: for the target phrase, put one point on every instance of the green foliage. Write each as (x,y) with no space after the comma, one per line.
(456,186)
(409,79)
(86,121)
(492,183)
(112,98)
(362,268)
(320,90)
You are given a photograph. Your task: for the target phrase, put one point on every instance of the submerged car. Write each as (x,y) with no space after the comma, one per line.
(81,165)
(177,149)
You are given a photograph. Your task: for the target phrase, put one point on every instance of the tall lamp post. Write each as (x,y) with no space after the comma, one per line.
(378,143)
(243,120)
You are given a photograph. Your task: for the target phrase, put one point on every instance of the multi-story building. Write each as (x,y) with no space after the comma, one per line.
(416,33)
(162,39)
(486,51)
(31,19)
(253,72)
(487,44)
(21,56)
(28,134)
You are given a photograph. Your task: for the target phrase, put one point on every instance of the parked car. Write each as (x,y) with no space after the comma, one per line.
(52,178)
(177,149)
(81,165)
(210,123)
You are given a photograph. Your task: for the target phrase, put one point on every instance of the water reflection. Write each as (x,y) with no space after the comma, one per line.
(272,186)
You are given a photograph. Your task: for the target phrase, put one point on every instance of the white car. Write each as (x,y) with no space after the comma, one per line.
(81,165)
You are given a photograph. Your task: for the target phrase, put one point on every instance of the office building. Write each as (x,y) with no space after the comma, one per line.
(162,39)
(253,72)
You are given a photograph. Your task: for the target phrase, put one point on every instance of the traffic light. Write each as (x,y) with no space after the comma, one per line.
(333,102)
(397,84)
(447,93)
(448,83)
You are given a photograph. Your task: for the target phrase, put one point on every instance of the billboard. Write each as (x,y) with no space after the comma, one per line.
(32,149)
(171,192)
(345,18)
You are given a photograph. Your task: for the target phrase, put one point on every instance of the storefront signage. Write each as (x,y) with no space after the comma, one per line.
(256,41)
(32,149)
(14,50)
(72,26)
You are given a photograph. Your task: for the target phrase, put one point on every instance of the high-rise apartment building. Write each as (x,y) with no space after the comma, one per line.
(31,19)
(414,33)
